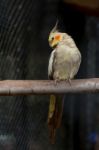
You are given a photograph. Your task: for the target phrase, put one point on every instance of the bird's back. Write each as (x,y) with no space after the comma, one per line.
(66,63)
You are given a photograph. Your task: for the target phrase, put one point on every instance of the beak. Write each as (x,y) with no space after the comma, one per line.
(52,44)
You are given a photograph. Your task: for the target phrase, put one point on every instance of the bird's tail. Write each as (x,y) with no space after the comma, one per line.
(55,115)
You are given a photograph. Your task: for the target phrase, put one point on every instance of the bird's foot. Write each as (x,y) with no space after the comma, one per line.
(57,81)
(69,81)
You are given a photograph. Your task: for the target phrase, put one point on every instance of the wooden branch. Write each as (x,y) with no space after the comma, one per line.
(89,4)
(90,7)
(30,87)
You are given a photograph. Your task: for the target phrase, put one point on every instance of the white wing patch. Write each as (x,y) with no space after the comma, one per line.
(50,66)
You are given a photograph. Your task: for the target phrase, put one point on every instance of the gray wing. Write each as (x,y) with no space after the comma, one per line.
(51,65)
(75,64)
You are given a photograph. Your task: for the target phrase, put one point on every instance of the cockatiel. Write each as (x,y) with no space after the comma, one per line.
(64,63)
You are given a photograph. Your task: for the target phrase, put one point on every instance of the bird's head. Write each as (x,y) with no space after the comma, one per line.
(55,37)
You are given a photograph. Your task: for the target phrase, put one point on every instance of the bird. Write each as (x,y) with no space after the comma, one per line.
(63,65)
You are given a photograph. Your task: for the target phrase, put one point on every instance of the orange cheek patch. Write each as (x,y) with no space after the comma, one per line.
(57,37)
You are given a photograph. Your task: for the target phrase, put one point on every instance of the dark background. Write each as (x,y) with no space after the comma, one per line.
(24,54)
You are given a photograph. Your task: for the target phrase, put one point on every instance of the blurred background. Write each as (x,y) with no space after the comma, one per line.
(24,54)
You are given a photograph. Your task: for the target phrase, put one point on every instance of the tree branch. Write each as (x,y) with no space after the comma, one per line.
(30,87)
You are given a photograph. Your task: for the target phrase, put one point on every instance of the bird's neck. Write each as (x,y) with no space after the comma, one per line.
(67,41)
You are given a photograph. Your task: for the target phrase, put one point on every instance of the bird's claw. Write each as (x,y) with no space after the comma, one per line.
(69,80)
(57,81)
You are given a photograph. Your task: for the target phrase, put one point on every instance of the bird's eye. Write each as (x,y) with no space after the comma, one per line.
(52,38)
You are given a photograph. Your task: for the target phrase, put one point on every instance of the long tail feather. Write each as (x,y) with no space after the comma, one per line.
(55,115)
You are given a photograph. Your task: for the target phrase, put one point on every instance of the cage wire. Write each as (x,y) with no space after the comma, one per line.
(23,120)
(24,53)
